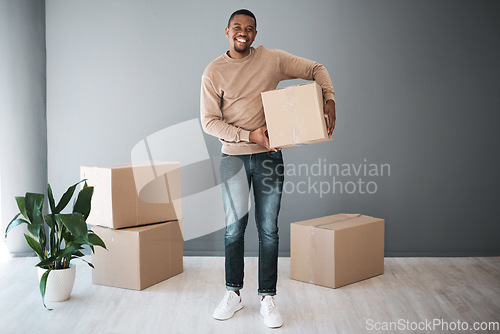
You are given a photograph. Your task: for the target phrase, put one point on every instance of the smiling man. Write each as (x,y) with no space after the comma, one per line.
(231,110)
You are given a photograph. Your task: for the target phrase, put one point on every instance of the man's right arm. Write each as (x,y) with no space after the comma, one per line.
(211,117)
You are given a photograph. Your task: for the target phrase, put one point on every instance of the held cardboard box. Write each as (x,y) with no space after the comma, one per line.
(127,195)
(294,115)
(337,250)
(138,257)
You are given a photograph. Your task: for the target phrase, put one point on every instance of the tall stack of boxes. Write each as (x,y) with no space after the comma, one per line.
(136,210)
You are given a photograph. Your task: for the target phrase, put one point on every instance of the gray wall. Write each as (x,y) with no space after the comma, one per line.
(416,89)
(23,128)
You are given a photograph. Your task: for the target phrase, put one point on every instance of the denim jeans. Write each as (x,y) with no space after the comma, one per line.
(265,172)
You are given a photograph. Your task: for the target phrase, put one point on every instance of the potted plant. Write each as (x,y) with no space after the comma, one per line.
(57,238)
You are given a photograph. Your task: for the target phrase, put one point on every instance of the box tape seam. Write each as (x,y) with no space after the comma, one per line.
(338,221)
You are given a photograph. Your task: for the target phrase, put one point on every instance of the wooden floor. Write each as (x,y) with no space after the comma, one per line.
(412,291)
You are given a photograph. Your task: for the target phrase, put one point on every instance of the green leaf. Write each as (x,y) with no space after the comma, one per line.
(84,242)
(47,262)
(75,223)
(81,241)
(38,218)
(90,264)
(95,240)
(14,222)
(34,230)
(82,204)
(35,246)
(51,198)
(22,206)
(43,287)
(52,242)
(37,232)
(43,237)
(34,204)
(70,250)
(66,235)
(49,221)
(66,197)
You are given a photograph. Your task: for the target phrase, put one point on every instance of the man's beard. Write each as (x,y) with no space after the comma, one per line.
(240,50)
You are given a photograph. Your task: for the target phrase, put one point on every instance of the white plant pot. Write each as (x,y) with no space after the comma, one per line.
(59,284)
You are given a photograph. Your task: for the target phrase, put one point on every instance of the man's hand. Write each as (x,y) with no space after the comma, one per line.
(259,137)
(329,111)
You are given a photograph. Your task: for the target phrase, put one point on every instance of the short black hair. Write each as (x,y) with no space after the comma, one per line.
(242,12)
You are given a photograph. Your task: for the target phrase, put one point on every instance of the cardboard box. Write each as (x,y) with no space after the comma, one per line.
(138,257)
(337,250)
(294,115)
(127,195)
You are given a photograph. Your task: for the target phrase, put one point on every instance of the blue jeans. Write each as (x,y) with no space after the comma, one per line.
(265,171)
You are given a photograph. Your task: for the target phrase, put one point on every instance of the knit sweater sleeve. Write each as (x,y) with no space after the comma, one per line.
(211,116)
(293,67)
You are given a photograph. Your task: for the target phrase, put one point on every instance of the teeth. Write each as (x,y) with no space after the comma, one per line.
(241,40)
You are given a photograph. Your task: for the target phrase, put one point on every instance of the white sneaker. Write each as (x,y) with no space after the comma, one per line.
(228,306)
(268,309)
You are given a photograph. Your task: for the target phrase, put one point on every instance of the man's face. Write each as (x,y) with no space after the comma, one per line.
(241,33)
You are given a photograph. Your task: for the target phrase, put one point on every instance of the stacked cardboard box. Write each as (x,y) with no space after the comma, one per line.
(294,115)
(136,210)
(337,250)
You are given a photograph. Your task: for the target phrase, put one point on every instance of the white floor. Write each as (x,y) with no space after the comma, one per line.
(412,291)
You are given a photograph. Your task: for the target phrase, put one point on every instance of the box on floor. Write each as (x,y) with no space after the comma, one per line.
(127,195)
(294,115)
(337,250)
(138,257)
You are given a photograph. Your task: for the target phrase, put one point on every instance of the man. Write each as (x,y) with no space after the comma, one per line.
(231,109)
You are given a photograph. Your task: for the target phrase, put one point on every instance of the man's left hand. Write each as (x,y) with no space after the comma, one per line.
(329,111)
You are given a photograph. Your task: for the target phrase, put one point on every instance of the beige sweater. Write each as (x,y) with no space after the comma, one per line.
(231,105)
